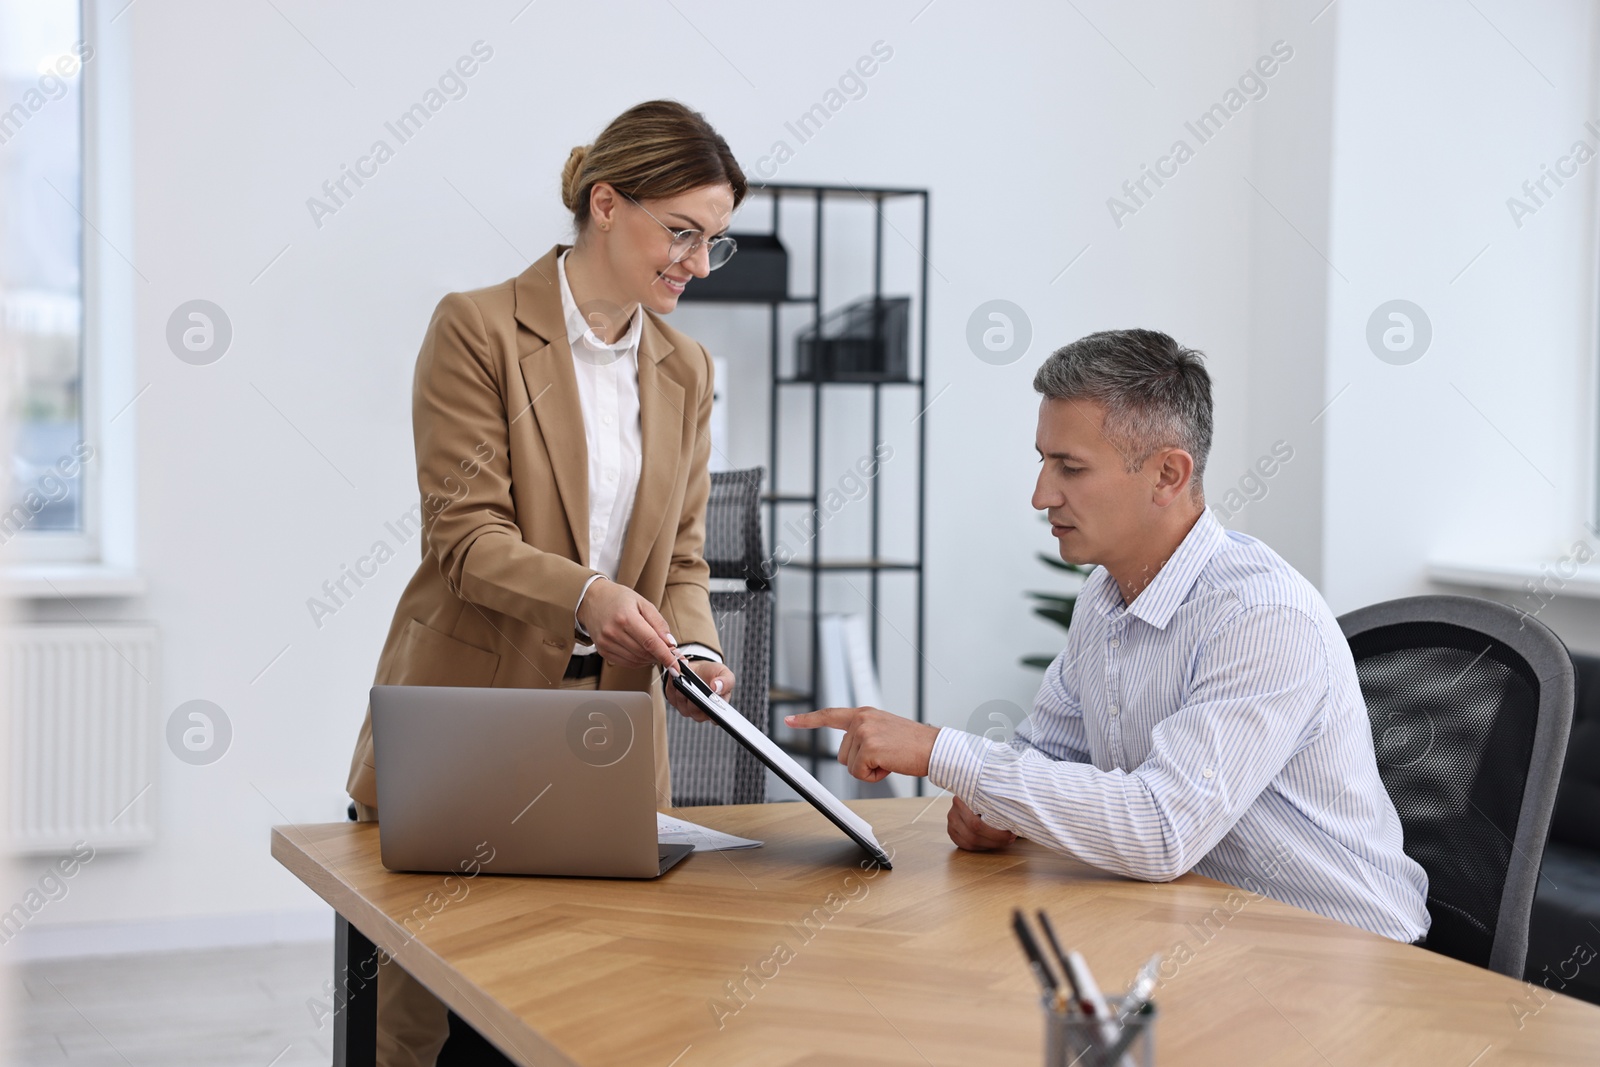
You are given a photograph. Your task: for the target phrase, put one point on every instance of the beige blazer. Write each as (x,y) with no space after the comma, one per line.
(503,471)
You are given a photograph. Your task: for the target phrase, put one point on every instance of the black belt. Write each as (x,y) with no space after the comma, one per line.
(584,666)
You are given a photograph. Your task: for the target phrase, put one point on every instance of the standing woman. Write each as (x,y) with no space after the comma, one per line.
(562,436)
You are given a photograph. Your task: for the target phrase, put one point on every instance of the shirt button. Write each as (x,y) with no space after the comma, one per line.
(1208,773)
(1115,643)
(1113,709)
(607,420)
(611,476)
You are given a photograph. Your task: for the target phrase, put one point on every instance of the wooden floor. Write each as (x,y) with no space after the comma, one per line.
(219,1008)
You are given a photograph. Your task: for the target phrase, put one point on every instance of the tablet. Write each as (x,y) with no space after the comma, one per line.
(767,751)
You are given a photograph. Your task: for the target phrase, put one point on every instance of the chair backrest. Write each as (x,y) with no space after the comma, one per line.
(733,526)
(1470,703)
(709,766)
(1577,818)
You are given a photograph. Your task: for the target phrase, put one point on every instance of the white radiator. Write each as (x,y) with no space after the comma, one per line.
(80,700)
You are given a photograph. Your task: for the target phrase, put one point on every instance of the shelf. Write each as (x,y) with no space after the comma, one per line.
(850,381)
(834,191)
(854,565)
(753,301)
(796,211)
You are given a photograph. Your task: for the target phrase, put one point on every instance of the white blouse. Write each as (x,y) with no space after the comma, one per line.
(608,393)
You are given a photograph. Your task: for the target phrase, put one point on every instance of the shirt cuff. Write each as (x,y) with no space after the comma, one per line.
(956,762)
(692,649)
(576,625)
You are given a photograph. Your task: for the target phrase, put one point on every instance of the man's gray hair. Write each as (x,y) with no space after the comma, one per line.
(1156,392)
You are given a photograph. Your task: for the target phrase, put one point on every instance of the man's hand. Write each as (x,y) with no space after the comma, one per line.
(875,743)
(714,674)
(969,831)
(625,627)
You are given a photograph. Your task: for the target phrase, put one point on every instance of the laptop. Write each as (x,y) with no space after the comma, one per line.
(517,781)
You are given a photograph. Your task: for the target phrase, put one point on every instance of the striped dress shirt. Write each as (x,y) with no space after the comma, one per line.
(1215,725)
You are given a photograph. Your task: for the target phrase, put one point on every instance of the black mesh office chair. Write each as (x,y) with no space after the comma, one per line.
(708,766)
(1471,702)
(733,527)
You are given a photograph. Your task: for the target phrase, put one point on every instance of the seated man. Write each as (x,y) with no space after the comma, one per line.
(1204,714)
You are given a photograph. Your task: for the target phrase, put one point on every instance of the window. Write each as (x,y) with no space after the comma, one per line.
(48,510)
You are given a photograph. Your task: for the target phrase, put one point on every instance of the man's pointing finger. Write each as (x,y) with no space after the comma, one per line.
(810,720)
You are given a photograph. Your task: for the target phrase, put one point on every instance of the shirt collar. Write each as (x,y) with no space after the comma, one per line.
(578,329)
(1161,598)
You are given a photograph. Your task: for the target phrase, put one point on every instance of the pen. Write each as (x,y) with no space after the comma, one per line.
(1089,992)
(1030,946)
(1144,983)
(1061,957)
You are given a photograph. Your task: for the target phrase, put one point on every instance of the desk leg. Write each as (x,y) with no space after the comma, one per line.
(468,1048)
(355,1028)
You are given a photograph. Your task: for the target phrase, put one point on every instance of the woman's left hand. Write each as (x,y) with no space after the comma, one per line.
(714,674)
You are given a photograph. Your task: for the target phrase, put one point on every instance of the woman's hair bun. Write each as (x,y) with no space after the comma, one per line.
(569,176)
(651,151)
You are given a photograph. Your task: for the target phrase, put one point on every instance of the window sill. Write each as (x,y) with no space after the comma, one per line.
(58,581)
(1516,576)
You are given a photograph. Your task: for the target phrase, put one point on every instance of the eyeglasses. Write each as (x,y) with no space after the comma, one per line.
(686,243)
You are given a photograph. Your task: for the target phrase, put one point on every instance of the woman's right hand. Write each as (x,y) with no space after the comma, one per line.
(625,627)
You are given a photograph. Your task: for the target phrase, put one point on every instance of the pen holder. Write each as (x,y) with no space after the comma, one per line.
(1073,1039)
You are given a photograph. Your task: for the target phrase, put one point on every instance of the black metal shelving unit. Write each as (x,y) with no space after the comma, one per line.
(873,566)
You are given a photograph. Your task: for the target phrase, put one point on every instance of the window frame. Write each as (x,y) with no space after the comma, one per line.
(104,544)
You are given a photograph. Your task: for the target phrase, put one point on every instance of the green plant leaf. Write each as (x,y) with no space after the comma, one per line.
(1062,565)
(1062,618)
(1055,607)
(1038,662)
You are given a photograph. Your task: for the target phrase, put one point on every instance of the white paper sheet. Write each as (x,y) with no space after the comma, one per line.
(864,688)
(703,838)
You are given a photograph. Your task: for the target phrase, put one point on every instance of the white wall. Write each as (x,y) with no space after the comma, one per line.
(1290,172)
(1022,122)
(1483,450)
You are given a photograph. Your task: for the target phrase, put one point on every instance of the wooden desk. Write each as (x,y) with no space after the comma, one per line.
(794,955)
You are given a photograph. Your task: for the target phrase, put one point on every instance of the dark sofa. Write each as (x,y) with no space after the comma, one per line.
(1564,938)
